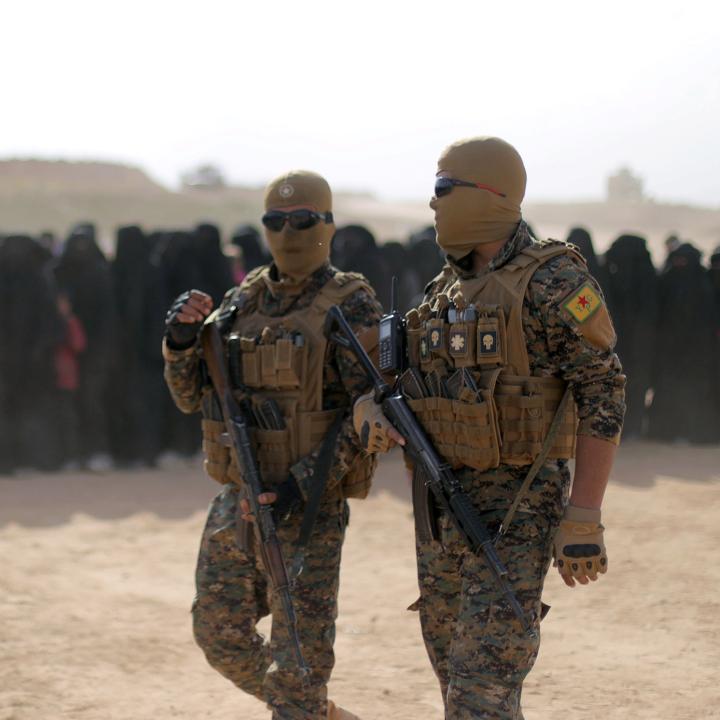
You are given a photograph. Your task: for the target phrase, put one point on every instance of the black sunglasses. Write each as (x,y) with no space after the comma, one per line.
(298,219)
(444,186)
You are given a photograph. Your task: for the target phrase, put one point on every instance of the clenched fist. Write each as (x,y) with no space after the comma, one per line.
(185,316)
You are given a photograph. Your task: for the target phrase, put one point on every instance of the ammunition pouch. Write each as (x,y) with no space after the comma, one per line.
(279,365)
(274,449)
(282,359)
(482,406)
(215,445)
(463,433)
(526,408)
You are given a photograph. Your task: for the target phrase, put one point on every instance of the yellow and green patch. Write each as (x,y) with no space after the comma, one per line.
(583,303)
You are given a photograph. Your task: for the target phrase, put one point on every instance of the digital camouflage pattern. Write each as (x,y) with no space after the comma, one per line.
(557,342)
(232,595)
(343,381)
(232,588)
(475,643)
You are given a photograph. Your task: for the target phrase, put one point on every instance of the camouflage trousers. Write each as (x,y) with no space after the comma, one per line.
(476,645)
(233,595)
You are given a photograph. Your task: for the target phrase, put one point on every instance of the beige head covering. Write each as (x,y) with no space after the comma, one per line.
(467,216)
(297,253)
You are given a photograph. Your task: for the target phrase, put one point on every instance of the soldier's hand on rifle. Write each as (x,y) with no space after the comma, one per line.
(185,316)
(579,549)
(373,428)
(284,501)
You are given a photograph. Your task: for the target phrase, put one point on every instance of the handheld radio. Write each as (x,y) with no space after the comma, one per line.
(392,337)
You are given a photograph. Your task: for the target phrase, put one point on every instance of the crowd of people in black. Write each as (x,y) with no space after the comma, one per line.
(81,370)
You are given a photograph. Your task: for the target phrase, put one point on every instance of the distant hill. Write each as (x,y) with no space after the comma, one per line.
(38,195)
(18,177)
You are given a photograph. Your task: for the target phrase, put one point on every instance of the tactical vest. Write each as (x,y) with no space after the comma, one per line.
(485,407)
(283,358)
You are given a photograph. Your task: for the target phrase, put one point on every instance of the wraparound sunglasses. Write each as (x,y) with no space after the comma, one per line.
(444,186)
(297,219)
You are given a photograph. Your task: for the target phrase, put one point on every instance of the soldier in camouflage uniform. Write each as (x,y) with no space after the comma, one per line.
(512,332)
(272,329)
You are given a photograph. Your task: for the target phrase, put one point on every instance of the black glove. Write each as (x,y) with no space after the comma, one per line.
(289,499)
(180,335)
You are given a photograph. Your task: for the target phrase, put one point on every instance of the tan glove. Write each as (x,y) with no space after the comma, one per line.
(371,425)
(579,548)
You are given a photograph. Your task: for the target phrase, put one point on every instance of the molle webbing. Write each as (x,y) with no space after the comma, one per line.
(498,413)
(282,358)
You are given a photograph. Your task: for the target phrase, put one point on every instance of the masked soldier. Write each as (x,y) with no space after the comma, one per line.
(300,390)
(512,335)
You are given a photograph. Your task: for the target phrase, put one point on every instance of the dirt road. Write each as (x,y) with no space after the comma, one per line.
(97,574)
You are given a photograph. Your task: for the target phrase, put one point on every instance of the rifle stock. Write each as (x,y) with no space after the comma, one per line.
(243,453)
(439,477)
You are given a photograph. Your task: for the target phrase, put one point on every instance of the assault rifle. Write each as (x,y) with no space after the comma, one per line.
(241,448)
(439,477)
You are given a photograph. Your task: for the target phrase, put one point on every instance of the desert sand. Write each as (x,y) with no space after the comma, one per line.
(97,581)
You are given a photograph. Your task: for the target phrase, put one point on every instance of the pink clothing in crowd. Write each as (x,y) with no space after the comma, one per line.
(66,355)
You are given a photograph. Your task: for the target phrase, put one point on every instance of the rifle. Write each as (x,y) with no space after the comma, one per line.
(439,477)
(236,425)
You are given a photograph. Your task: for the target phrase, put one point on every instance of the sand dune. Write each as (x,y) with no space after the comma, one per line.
(97,583)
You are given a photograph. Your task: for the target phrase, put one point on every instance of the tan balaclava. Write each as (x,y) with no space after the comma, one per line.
(468,216)
(297,253)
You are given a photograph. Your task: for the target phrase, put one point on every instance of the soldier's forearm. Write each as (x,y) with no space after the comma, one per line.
(182,376)
(594,459)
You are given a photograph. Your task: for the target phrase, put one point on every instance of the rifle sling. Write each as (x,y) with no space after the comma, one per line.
(312,506)
(539,462)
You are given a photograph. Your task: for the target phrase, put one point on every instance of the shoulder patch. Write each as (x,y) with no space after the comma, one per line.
(583,303)
(584,308)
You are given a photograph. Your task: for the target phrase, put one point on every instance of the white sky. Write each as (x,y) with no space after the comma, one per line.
(368,93)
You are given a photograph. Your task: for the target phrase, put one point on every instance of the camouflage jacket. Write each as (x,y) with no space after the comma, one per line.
(343,377)
(556,347)
(557,344)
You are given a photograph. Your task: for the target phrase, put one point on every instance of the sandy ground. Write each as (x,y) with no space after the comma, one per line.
(97,575)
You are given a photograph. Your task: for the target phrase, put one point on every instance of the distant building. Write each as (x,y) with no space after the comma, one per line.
(625,187)
(205,177)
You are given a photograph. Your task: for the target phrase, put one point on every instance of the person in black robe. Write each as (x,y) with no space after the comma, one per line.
(685,362)
(152,389)
(131,421)
(397,259)
(175,268)
(581,238)
(213,264)
(631,289)
(253,253)
(354,249)
(425,257)
(30,328)
(714,276)
(83,273)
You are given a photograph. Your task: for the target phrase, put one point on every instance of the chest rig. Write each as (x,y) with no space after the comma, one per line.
(279,359)
(480,403)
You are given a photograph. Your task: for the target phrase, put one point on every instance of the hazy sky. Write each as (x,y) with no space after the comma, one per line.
(368,92)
